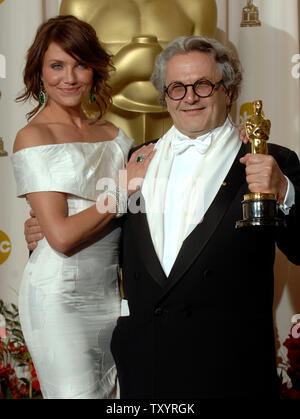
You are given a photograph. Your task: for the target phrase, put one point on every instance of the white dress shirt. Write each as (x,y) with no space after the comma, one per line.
(185,167)
(187,158)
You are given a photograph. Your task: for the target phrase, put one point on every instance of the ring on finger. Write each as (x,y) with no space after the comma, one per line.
(141,158)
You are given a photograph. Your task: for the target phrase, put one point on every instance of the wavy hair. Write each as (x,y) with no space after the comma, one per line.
(228,65)
(78,39)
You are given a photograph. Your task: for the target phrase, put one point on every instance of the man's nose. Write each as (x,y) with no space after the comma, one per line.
(191,96)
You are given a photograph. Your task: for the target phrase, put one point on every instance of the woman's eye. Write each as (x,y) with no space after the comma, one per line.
(82,65)
(56,66)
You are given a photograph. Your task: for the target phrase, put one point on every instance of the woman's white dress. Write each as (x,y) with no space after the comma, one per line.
(69,304)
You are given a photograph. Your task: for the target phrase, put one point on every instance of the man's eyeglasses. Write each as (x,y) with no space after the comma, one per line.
(202,88)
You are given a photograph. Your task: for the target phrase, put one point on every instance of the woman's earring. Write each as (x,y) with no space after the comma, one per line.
(92,97)
(42,94)
(42,97)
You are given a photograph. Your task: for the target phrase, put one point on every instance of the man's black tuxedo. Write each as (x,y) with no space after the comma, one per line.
(206,331)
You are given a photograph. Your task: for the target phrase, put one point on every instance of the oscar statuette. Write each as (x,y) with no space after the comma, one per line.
(3,153)
(259,209)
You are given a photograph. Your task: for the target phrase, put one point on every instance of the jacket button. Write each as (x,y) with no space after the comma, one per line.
(158,311)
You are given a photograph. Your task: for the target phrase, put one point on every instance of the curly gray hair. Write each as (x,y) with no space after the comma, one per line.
(228,65)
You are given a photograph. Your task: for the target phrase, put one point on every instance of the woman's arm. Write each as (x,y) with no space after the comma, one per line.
(65,232)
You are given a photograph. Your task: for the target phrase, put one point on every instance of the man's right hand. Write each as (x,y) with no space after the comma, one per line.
(33,232)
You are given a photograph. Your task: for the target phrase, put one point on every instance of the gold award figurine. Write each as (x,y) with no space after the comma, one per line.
(250,15)
(259,209)
(258,129)
(3,153)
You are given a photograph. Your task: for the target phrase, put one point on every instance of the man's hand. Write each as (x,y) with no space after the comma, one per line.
(33,232)
(263,175)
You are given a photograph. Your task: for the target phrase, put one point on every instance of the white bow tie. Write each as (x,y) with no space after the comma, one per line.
(181,144)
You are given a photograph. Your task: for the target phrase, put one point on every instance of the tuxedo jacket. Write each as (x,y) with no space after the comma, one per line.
(206,331)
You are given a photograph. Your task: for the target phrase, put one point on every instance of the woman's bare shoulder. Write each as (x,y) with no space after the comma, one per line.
(32,135)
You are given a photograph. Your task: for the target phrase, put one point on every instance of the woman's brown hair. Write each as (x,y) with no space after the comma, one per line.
(76,38)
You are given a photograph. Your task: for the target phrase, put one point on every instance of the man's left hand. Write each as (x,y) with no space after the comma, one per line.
(264,175)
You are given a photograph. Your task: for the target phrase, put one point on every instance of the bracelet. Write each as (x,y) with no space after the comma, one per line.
(121,198)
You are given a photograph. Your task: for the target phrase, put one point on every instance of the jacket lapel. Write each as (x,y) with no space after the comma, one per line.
(141,234)
(194,244)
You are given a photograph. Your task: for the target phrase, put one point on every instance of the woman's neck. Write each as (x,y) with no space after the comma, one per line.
(65,114)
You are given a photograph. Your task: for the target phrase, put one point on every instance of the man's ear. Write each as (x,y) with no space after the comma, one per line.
(229,96)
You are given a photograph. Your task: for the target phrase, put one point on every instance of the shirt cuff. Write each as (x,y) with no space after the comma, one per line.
(289,199)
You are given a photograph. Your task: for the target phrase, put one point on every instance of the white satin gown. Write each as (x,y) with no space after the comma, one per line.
(69,305)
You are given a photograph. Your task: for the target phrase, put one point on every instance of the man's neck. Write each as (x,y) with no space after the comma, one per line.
(198,135)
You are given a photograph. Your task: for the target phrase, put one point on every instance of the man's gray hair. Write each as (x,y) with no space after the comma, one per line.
(229,66)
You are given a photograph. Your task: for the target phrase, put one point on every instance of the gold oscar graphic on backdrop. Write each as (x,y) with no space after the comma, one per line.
(259,209)
(250,16)
(5,247)
(2,151)
(245,111)
(135,31)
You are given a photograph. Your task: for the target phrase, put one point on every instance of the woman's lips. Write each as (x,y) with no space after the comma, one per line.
(69,91)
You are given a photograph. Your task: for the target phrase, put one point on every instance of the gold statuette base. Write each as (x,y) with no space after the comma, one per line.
(260,210)
(258,196)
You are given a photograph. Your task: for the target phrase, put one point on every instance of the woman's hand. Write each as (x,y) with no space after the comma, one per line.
(32,231)
(137,167)
(242,134)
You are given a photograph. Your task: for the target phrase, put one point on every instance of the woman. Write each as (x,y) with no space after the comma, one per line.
(69,297)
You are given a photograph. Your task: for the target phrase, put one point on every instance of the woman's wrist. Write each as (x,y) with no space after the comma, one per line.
(120,195)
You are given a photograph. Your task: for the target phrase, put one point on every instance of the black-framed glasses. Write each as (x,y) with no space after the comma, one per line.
(202,88)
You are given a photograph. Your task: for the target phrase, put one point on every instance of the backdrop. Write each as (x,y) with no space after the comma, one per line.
(268,46)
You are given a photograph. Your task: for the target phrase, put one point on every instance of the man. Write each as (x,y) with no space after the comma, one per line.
(199,291)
